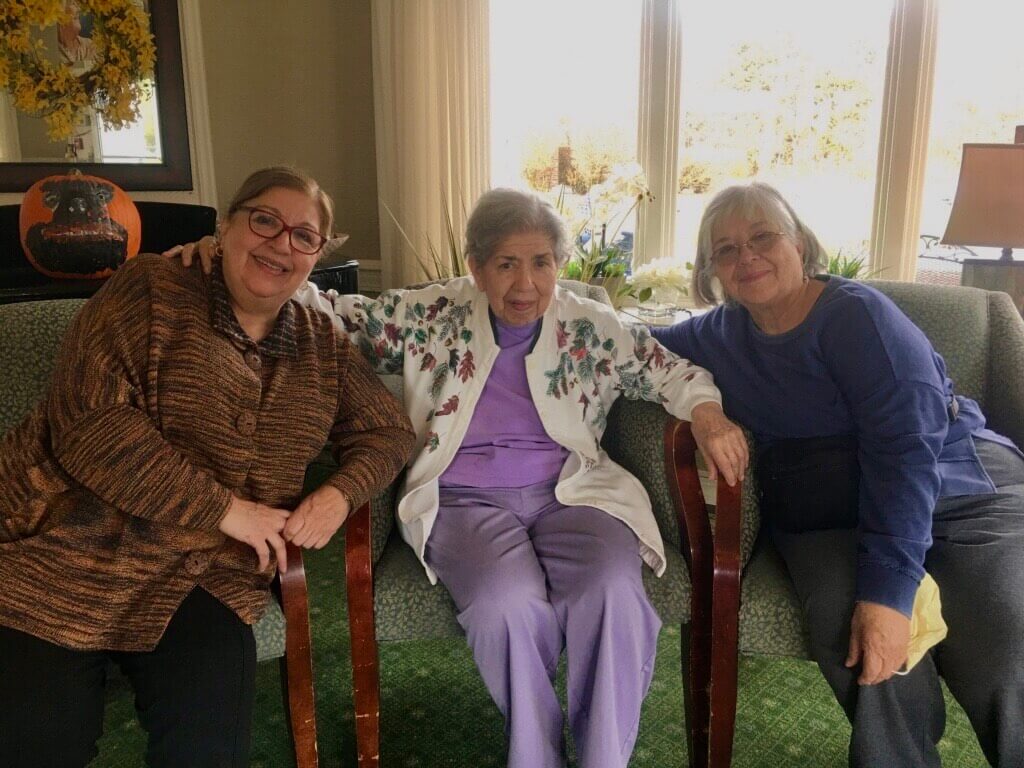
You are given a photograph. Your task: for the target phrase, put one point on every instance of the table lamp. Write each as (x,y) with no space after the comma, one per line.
(988,209)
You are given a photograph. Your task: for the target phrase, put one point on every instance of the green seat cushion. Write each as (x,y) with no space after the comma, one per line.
(269,633)
(407,606)
(770,619)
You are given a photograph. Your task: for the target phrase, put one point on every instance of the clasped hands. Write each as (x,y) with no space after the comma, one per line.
(311,525)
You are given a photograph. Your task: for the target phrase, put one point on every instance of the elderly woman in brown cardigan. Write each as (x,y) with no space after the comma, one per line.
(145,503)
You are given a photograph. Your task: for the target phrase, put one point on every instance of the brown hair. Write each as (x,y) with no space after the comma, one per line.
(286,177)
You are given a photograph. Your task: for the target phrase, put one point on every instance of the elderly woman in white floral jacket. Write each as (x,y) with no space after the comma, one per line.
(509,499)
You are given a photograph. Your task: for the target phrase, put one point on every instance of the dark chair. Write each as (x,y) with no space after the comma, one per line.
(168,224)
(343,278)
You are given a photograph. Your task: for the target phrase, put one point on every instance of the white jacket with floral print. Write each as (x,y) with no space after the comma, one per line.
(440,339)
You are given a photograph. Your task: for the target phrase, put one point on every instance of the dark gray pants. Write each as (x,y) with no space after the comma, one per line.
(977,559)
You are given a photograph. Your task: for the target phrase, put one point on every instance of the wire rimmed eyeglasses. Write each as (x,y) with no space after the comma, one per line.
(269,225)
(761,243)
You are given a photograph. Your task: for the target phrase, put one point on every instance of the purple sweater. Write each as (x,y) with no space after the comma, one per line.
(506,445)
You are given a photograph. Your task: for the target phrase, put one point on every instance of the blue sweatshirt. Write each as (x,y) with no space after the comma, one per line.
(855,366)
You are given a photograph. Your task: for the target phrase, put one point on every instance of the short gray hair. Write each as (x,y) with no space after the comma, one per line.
(502,212)
(752,202)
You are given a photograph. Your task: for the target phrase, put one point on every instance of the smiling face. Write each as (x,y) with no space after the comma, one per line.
(758,281)
(263,273)
(519,278)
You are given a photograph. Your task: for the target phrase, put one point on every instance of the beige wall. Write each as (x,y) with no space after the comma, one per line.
(292,83)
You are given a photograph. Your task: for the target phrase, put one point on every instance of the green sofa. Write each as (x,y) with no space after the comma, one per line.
(31,334)
(981,336)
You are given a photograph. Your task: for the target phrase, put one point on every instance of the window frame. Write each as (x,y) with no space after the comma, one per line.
(903,136)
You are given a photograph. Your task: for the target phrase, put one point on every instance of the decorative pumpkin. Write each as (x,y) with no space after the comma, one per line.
(78,226)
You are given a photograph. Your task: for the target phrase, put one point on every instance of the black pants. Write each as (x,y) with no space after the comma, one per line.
(194,694)
(977,559)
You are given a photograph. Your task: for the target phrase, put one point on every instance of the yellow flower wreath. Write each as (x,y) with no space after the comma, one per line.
(113,86)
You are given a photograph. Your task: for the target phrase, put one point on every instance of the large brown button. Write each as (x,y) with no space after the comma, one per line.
(196,563)
(252,359)
(246,424)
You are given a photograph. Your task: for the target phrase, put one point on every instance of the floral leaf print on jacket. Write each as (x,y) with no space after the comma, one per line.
(586,357)
(382,341)
(443,322)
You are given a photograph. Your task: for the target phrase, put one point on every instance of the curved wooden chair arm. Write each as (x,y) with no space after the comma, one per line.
(714,563)
(725,622)
(363,631)
(695,542)
(298,660)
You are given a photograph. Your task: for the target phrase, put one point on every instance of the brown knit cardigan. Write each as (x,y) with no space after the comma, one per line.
(112,489)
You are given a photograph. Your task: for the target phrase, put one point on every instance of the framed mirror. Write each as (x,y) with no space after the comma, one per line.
(162,161)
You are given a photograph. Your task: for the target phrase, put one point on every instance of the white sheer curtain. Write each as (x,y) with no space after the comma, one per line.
(431,100)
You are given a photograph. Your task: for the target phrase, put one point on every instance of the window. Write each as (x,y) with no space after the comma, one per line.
(136,143)
(564,105)
(792,92)
(787,93)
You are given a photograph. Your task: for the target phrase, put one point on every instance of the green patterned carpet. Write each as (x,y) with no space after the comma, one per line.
(436,712)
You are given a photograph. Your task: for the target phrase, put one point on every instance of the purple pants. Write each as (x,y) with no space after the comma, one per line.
(528,576)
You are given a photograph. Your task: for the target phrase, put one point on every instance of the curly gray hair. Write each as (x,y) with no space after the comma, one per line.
(502,212)
(752,202)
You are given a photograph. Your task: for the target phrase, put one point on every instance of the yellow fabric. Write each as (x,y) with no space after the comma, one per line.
(927,627)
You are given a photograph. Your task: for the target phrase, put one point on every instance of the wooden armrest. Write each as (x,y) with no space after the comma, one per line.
(295,602)
(363,632)
(359,567)
(298,659)
(714,563)
(695,538)
(725,621)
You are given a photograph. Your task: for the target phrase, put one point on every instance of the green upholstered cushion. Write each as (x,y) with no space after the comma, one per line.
(1004,401)
(269,633)
(956,321)
(770,620)
(32,332)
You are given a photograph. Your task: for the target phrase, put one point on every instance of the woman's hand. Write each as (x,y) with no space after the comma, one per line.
(720,441)
(260,527)
(206,248)
(317,518)
(880,640)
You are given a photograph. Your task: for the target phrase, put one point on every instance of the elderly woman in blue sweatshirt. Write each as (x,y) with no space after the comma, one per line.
(840,387)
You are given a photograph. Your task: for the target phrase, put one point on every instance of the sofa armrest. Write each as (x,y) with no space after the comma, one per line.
(1004,396)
